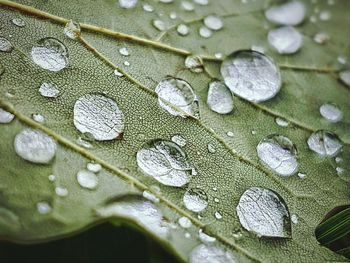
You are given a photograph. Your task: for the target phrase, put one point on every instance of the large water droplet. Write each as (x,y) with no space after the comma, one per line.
(5,45)
(72,29)
(290,13)
(165,161)
(51,54)
(127,4)
(324,143)
(98,115)
(213,22)
(18,22)
(264,212)
(194,63)
(49,90)
(251,75)
(87,179)
(331,112)
(195,200)
(35,146)
(219,98)
(6,117)
(180,94)
(279,154)
(286,40)
(210,254)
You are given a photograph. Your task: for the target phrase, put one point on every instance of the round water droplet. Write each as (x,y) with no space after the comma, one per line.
(118,73)
(321,38)
(72,29)
(194,63)
(213,22)
(210,254)
(94,167)
(148,8)
(339,170)
(5,45)
(342,59)
(43,208)
(165,161)
(187,6)
(173,15)
(218,55)
(195,200)
(218,215)
(324,143)
(211,148)
(178,93)
(205,32)
(38,117)
(220,98)
(345,77)
(159,24)
(286,40)
(35,146)
(290,13)
(281,122)
(179,140)
(166,1)
(230,134)
(294,219)
(50,53)
(126,63)
(201,2)
(325,15)
(338,159)
(331,112)
(251,75)
(61,191)
(204,237)
(264,212)
(6,117)
(124,51)
(301,175)
(83,143)
(127,4)
(182,29)
(184,222)
(18,22)
(151,197)
(98,115)
(49,90)
(52,178)
(279,154)
(87,179)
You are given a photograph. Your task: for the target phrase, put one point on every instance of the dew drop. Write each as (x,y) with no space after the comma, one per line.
(165,161)
(324,143)
(87,179)
(43,208)
(6,117)
(210,254)
(251,75)
(61,191)
(338,159)
(325,15)
(159,24)
(339,170)
(345,77)
(18,22)
(52,178)
(331,112)
(321,38)
(49,90)
(5,45)
(98,115)
(35,146)
(279,154)
(166,1)
(187,6)
(151,197)
(205,238)
(342,59)
(294,219)
(127,4)
(263,212)
(286,40)
(126,63)
(281,122)
(182,29)
(290,13)
(301,175)
(230,134)
(194,63)
(173,15)
(195,200)
(51,54)
(180,95)
(201,2)
(218,55)
(148,8)
(83,143)
(184,222)
(179,140)
(213,22)
(258,49)
(72,29)
(220,98)
(205,32)
(211,148)
(94,167)
(218,215)
(38,117)
(124,51)
(118,73)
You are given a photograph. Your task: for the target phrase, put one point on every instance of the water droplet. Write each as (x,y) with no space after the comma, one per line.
(258,49)
(35,146)
(38,117)
(126,63)
(124,51)
(187,235)
(279,154)
(72,29)
(195,200)
(166,1)
(178,93)
(184,222)
(50,53)
(345,77)
(182,29)
(151,197)
(218,215)
(43,208)
(98,115)
(331,112)
(291,13)
(61,191)
(52,178)
(127,4)
(18,22)
(87,179)
(6,117)
(210,254)
(281,122)
(194,63)
(165,161)
(187,6)
(237,234)
(49,90)
(220,99)
(205,32)
(286,40)
(338,159)
(94,167)
(5,45)
(205,238)
(218,55)
(213,22)
(294,219)
(159,24)
(251,75)
(263,212)
(211,148)
(148,8)
(321,38)
(339,170)
(324,143)
(201,2)
(83,143)
(301,175)
(230,134)
(325,15)
(118,73)
(173,15)
(179,140)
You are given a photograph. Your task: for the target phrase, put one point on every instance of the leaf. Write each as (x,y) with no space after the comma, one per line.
(221,148)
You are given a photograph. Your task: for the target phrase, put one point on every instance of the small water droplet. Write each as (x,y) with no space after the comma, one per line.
(339,170)
(213,22)
(187,235)
(94,167)
(237,234)
(165,161)
(98,115)
(148,8)
(166,1)
(331,112)
(118,73)
(72,29)
(35,146)
(230,134)
(151,197)
(124,51)
(345,77)
(184,222)
(210,254)
(194,63)
(179,140)
(325,15)
(159,24)
(338,159)
(83,143)
(279,154)
(187,6)
(5,45)
(52,178)
(251,75)
(324,143)
(38,117)
(342,59)
(301,175)
(173,15)
(281,122)
(127,4)
(290,13)
(6,117)
(205,32)
(49,90)
(182,29)
(43,208)
(87,179)
(51,54)
(205,238)
(195,200)
(218,215)
(294,219)
(211,148)
(18,22)
(321,38)
(126,63)
(286,40)
(220,98)
(201,2)
(216,200)
(263,212)
(61,191)
(218,55)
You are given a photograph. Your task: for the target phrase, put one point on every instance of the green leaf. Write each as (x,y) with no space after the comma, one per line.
(221,149)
